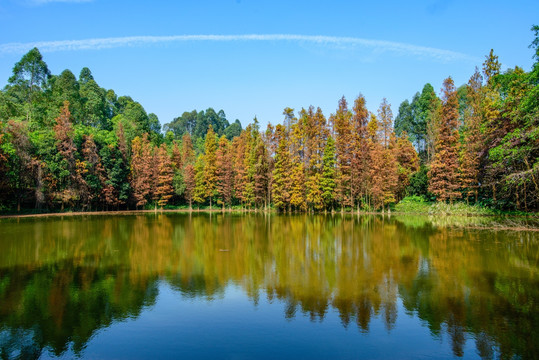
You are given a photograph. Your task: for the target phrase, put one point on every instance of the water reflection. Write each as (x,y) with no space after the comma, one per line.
(63,279)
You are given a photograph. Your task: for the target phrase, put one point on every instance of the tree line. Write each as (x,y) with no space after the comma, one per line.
(69,143)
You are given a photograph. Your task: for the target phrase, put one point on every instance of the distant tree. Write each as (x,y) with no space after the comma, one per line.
(425,109)
(94,109)
(30,76)
(153,123)
(233,130)
(65,87)
(85,76)
(404,121)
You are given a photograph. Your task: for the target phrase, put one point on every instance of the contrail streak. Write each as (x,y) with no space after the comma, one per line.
(133,41)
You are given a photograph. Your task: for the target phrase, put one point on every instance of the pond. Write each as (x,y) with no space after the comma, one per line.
(209,285)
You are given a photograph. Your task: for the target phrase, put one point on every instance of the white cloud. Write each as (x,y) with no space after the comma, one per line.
(115,42)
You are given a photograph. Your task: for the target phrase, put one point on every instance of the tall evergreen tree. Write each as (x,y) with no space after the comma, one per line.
(328,183)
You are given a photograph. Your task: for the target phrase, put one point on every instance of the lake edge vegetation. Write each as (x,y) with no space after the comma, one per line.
(67,143)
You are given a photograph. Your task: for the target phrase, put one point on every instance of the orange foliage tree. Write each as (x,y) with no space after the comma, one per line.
(444,169)
(164,188)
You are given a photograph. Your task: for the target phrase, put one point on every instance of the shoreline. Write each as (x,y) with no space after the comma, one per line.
(494,226)
(270,211)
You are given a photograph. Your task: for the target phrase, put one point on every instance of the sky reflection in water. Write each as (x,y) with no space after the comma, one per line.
(244,286)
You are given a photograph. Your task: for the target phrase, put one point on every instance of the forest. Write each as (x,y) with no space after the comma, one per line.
(67,143)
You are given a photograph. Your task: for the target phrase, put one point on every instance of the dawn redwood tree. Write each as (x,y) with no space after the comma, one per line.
(68,175)
(164,188)
(270,142)
(376,164)
(282,186)
(199,191)
(141,169)
(250,161)
(122,143)
(178,182)
(359,152)
(188,152)
(472,143)
(407,163)
(261,176)
(239,145)
(187,184)
(297,194)
(210,167)
(316,134)
(225,172)
(444,179)
(387,139)
(385,120)
(96,177)
(342,131)
(390,171)
(189,178)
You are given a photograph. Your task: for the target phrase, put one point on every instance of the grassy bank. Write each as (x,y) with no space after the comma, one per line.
(418,205)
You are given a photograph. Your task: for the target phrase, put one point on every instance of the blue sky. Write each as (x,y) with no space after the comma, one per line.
(256,57)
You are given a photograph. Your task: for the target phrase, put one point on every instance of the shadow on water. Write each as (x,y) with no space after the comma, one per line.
(61,280)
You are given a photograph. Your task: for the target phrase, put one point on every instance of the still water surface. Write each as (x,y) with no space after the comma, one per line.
(265,286)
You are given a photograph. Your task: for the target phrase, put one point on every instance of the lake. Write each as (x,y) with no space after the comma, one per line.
(241,286)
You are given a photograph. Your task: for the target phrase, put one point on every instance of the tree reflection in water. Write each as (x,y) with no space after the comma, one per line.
(62,279)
